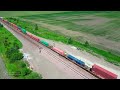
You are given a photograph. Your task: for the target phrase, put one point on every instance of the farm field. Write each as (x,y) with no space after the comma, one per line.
(24,13)
(99,28)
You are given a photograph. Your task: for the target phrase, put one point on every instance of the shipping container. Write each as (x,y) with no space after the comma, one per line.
(44,43)
(23,30)
(76,60)
(58,51)
(80,62)
(18,28)
(8,23)
(14,26)
(33,37)
(103,73)
(36,38)
(30,35)
(5,21)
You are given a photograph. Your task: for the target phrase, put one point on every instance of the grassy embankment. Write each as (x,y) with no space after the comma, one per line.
(16,67)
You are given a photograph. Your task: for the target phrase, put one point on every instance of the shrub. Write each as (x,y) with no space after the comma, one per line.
(86,44)
(33,75)
(1,25)
(36,27)
(16,56)
(22,64)
(25,71)
(17,73)
(70,40)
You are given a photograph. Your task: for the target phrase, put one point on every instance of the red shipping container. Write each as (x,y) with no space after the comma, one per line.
(5,20)
(58,51)
(14,26)
(103,72)
(33,37)
(36,38)
(29,34)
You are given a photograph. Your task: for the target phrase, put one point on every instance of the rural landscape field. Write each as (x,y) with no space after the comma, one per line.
(100,28)
(94,32)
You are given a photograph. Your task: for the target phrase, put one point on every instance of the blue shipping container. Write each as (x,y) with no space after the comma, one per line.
(19,27)
(76,60)
(80,62)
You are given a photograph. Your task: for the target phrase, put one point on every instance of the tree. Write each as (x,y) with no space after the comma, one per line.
(17,73)
(36,27)
(25,71)
(16,56)
(86,43)
(13,54)
(8,53)
(22,64)
(5,41)
(69,40)
(16,46)
(1,25)
(17,20)
(34,75)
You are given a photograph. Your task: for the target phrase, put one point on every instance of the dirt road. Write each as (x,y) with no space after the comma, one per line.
(49,63)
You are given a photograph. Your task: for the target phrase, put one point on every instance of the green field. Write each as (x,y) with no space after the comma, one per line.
(91,24)
(24,13)
(106,24)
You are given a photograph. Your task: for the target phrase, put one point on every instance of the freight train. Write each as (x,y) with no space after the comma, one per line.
(95,69)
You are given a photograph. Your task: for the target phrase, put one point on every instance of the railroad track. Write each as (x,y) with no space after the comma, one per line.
(46,51)
(66,64)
